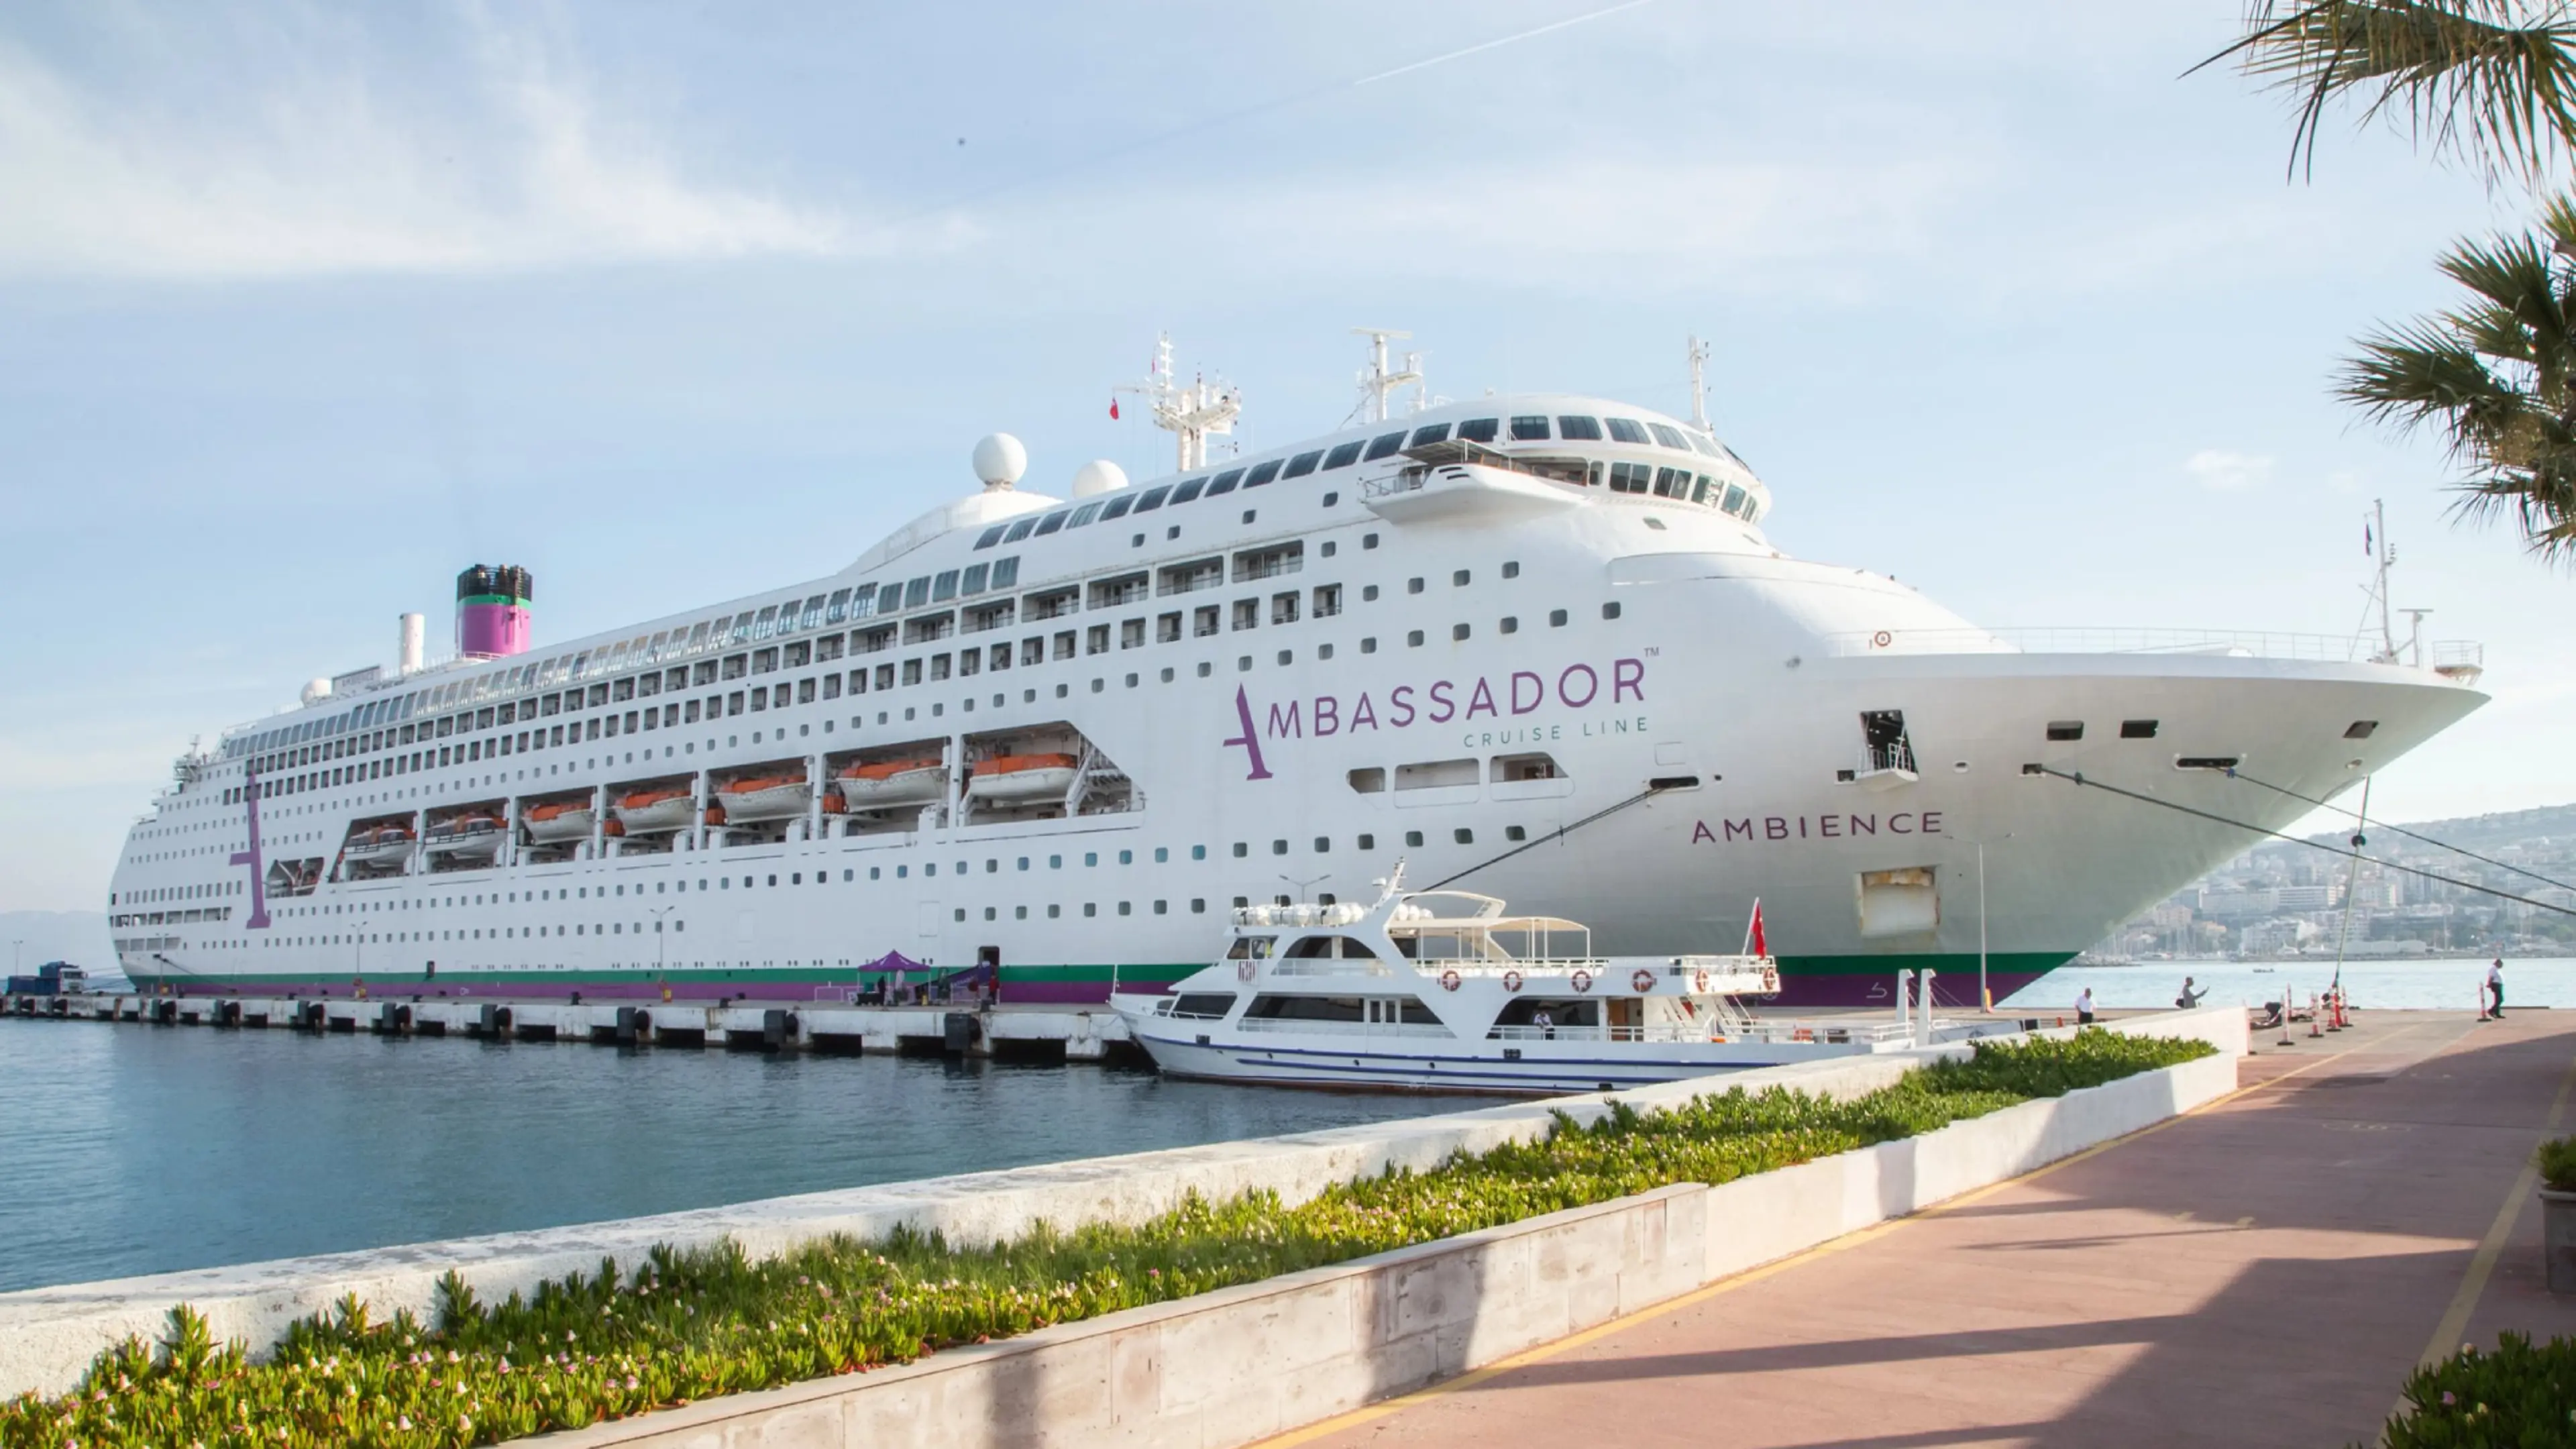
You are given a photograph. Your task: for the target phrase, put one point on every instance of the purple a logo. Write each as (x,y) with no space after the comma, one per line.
(1250,739)
(258,873)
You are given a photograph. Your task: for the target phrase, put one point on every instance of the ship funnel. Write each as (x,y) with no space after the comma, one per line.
(492,618)
(415,636)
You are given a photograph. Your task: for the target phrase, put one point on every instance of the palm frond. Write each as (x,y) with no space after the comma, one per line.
(2492,82)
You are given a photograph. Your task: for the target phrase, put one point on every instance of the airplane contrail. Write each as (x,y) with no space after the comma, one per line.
(1494,44)
(1105,156)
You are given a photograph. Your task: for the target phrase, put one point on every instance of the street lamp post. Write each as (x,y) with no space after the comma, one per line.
(1303,885)
(1985,993)
(662,949)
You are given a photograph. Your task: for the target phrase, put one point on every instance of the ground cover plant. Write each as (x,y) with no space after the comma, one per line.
(2516,1397)
(691,1325)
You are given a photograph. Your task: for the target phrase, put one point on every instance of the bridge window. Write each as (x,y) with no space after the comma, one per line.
(1578,429)
(1529,429)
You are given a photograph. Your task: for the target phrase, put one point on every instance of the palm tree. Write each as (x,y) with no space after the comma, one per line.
(2497,375)
(2490,82)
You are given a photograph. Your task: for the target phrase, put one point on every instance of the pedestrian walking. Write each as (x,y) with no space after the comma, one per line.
(2189,998)
(2495,988)
(2084,1007)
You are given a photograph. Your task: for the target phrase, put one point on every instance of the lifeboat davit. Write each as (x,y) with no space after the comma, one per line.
(652,811)
(561,821)
(1009,778)
(382,845)
(765,797)
(894,782)
(467,837)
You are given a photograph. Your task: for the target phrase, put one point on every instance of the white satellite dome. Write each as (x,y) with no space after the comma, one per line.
(316,691)
(1000,460)
(1097,477)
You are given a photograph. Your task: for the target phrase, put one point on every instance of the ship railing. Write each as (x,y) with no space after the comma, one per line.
(1329,966)
(1836,1033)
(2225,643)
(1298,1026)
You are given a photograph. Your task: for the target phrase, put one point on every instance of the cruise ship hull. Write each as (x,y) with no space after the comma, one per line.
(1628,710)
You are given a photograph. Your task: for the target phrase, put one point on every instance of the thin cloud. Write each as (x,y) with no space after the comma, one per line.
(2224,472)
(313,176)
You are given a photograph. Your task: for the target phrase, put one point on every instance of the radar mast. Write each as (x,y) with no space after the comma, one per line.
(1190,413)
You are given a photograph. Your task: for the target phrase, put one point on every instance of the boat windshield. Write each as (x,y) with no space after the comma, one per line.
(1495,940)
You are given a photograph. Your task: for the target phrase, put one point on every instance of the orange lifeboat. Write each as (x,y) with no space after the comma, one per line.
(656,809)
(555,822)
(894,782)
(765,797)
(1008,778)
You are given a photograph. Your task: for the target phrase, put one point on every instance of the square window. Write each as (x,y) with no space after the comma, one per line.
(1368,842)
(1610,610)
(1457,632)
(1556,618)
(1511,569)
(1323,844)
(1413,585)
(1459,579)
(1413,838)
(1514,832)
(1413,638)
(1054,911)
(1090,908)
(1279,847)
(1510,625)
(1368,645)
(1241,849)
(1464,836)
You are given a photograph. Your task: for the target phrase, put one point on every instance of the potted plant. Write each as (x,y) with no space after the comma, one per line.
(2557,1163)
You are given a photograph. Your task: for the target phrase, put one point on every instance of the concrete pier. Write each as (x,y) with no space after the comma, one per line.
(1031,1033)
(2264,1271)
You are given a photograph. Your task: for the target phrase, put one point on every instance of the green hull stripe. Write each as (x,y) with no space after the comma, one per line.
(503,599)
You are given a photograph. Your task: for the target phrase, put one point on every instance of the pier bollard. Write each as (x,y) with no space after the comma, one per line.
(2316,1028)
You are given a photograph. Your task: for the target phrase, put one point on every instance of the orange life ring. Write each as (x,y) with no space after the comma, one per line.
(1881,639)
(1699,981)
(1803,1034)
(1449,980)
(1644,980)
(1582,980)
(1511,981)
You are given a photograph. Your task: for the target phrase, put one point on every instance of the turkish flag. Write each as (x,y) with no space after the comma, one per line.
(1113,409)
(1761,947)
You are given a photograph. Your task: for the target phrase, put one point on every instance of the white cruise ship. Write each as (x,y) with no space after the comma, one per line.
(1536,645)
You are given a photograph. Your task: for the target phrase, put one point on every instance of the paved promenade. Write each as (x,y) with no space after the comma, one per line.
(2265,1271)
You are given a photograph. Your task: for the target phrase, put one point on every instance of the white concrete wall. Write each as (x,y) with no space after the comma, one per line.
(48,1336)
(1230,1367)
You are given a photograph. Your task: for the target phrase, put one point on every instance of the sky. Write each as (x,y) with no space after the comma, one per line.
(303,308)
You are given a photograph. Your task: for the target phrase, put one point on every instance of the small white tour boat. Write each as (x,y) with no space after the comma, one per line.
(1441,991)
(892,783)
(559,821)
(467,837)
(657,811)
(766,797)
(1011,779)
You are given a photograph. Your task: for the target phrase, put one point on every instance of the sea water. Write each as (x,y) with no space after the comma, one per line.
(137,1149)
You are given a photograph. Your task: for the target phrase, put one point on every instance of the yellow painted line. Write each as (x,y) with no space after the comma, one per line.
(2455,1319)
(1370,1412)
